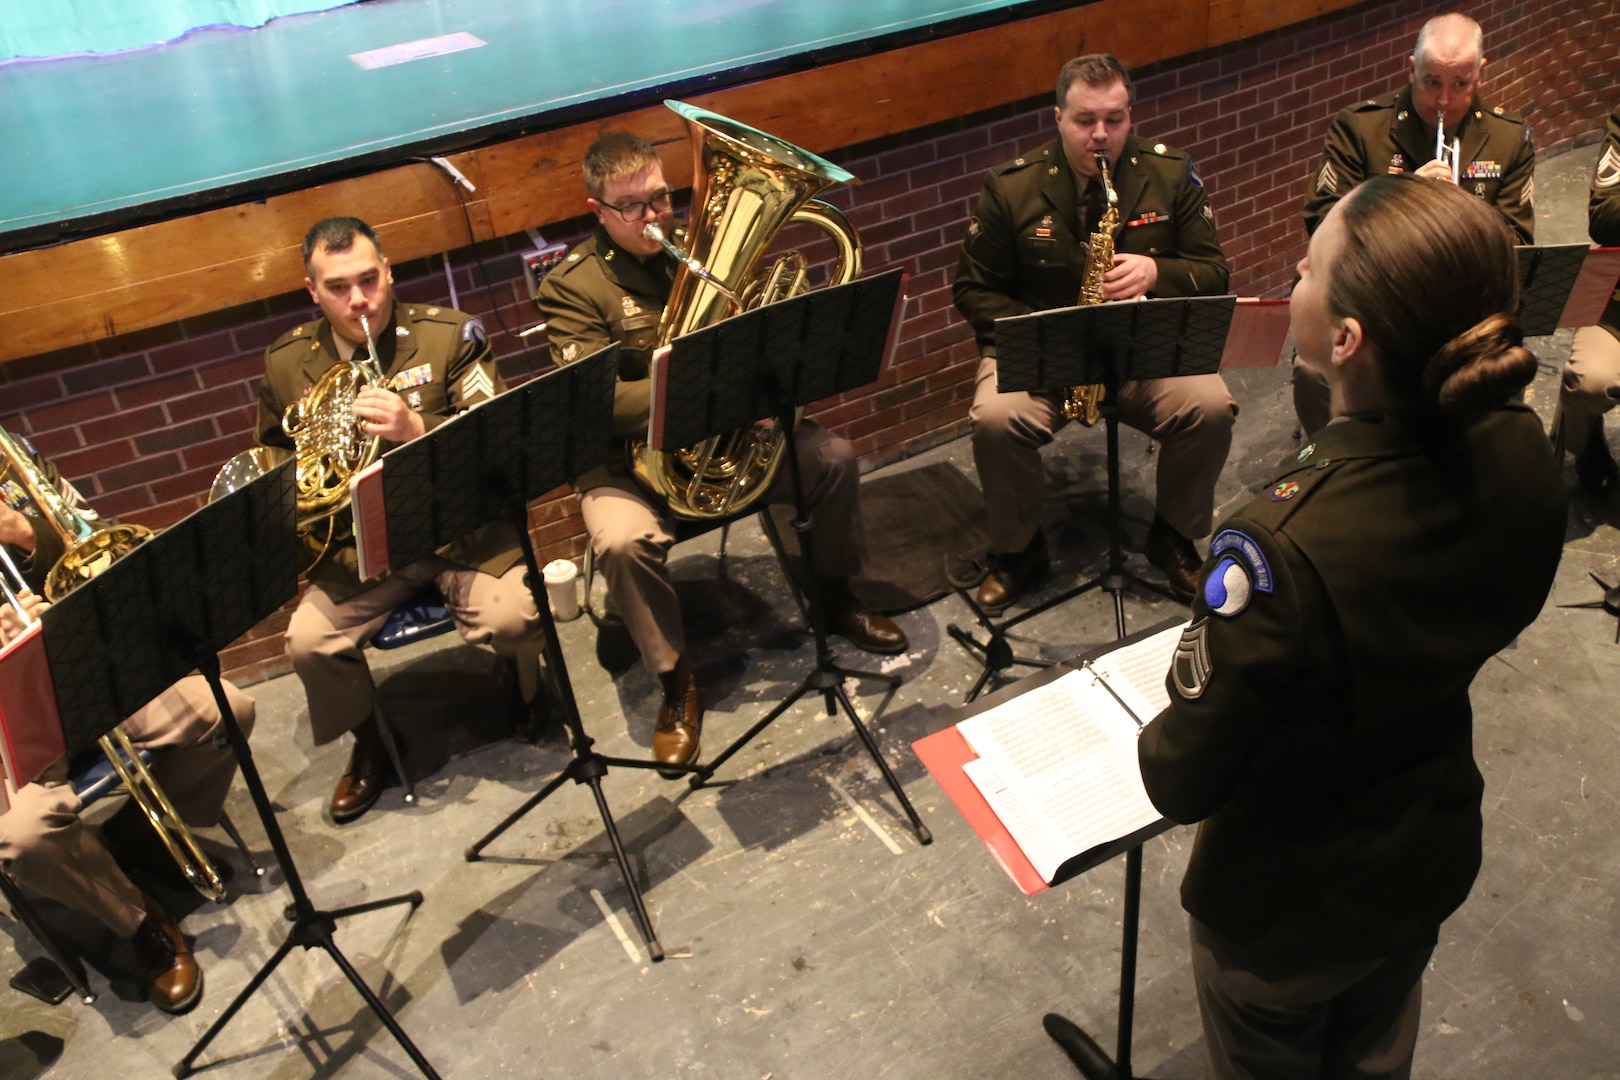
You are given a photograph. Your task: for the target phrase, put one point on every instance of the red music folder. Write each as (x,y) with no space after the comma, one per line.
(1259,332)
(1061,761)
(30,723)
(370,515)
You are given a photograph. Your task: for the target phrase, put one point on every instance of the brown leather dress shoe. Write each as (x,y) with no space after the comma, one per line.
(867,629)
(363,781)
(1012,574)
(174,982)
(680,720)
(1175,555)
(863,627)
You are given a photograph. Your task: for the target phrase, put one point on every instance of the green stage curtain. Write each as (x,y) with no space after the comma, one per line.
(45,28)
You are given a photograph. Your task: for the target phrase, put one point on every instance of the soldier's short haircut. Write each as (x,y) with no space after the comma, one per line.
(1095,70)
(613,156)
(336,234)
(1452,25)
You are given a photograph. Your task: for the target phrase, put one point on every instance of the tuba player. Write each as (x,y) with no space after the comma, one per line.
(612,288)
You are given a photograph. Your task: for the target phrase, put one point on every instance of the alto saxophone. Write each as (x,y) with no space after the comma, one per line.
(1084,403)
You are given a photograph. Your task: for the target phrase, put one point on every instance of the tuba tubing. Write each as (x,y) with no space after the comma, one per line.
(747,186)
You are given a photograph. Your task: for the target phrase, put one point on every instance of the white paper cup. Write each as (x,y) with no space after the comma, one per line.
(562,589)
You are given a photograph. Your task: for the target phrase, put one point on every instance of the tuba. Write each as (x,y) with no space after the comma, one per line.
(331,449)
(746,187)
(1084,403)
(90,551)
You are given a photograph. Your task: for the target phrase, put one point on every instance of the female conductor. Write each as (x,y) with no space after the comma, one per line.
(1319,725)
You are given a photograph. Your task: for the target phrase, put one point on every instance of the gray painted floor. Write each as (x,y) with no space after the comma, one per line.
(810,935)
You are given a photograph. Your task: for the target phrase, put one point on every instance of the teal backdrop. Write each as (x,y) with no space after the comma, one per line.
(44,28)
(220,116)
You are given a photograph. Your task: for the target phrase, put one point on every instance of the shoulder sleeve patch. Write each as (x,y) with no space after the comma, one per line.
(472,330)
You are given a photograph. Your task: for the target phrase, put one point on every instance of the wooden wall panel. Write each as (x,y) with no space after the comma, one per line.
(88,290)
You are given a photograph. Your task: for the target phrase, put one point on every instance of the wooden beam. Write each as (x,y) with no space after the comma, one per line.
(92,289)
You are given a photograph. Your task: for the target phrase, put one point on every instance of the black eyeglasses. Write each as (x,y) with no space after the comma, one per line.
(634,212)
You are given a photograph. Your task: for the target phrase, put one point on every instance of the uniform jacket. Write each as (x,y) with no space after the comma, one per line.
(439,361)
(1026,245)
(1319,727)
(1603,210)
(602,294)
(48,544)
(1386,135)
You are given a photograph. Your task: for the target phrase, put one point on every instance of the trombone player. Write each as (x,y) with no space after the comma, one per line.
(43,841)
(436,362)
(613,288)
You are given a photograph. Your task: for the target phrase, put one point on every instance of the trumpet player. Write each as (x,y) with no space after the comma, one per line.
(1418,129)
(613,288)
(1026,250)
(436,362)
(43,842)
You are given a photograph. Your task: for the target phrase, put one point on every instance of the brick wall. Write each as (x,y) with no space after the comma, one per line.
(142,422)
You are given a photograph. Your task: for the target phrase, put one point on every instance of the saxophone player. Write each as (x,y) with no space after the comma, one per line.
(436,362)
(613,288)
(1026,251)
(44,843)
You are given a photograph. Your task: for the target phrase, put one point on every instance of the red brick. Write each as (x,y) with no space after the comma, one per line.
(145,393)
(72,411)
(142,471)
(92,460)
(190,353)
(175,436)
(209,402)
(123,424)
(107,373)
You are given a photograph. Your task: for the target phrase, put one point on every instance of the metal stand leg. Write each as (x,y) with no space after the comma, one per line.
(587,766)
(827,678)
(311,926)
(71,968)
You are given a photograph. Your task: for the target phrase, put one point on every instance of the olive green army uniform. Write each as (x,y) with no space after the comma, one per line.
(440,362)
(602,294)
(1386,134)
(1320,730)
(1026,251)
(43,842)
(1592,374)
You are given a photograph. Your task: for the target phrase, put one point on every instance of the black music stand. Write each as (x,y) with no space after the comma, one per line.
(167,608)
(768,363)
(485,465)
(1111,344)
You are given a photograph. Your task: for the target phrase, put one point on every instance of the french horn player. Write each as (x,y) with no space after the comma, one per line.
(1026,251)
(43,842)
(416,365)
(614,287)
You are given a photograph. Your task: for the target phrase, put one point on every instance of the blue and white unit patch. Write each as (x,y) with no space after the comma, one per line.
(1241,570)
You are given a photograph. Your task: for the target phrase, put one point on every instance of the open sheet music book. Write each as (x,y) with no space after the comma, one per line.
(1057,763)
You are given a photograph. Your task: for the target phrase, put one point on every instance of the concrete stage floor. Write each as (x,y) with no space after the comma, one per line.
(810,935)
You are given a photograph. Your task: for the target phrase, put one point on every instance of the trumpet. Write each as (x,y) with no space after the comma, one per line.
(1447,154)
(114,541)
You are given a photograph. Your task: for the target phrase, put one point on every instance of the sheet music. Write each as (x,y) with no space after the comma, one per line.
(1139,670)
(1066,752)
